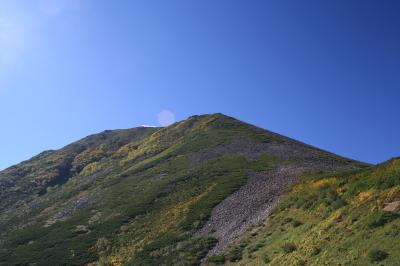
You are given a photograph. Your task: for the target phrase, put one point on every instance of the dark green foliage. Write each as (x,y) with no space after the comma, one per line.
(236,253)
(377,255)
(315,251)
(381,218)
(389,182)
(296,223)
(265,258)
(57,245)
(220,259)
(287,220)
(255,247)
(171,250)
(314,199)
(301,263)
(289,247)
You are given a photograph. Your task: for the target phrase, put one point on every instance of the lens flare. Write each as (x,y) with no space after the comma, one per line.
(166,118)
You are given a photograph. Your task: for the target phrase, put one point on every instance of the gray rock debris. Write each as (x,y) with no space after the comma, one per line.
(248,206)
(251,204)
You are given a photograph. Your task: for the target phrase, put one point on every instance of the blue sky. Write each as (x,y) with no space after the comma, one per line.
(323,72)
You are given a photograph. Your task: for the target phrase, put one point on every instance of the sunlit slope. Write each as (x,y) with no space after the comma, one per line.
(144,196)
(344,218)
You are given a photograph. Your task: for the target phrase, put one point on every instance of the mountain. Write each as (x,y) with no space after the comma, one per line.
(210,189)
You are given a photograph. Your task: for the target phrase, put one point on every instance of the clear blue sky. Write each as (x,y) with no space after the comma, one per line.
(323,72)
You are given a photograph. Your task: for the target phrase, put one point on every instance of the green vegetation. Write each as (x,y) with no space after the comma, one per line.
(381,218)
(377,255)
(289,247)
(236,253)
(332,219)
(231,176)
(265,258)
(220,259)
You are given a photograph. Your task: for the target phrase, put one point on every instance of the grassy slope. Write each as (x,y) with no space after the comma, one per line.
(332,219)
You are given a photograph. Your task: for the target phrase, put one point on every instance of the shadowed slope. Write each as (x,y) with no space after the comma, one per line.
(23,184)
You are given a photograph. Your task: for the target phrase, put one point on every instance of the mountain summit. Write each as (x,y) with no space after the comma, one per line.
(185,194)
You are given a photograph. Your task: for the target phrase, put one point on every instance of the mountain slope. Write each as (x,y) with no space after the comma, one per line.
(150,196)
(344,218)
(32,178)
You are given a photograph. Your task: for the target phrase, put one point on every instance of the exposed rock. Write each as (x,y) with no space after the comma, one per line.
(247,206)
(82,229)
(95,218)
(392,206)
(69,209)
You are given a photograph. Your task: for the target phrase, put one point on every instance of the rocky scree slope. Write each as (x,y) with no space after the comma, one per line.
(150,196)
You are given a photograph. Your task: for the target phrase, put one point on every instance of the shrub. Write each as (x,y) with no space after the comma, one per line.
(388,182)
(220,259)
(255,247)
(381,218)
(289,247)
(300,263)
(377,255)
(287,220)
(265,258)
(296,223)
(236,253)
(315,251)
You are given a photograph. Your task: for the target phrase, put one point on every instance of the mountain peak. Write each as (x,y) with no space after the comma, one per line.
(198,184)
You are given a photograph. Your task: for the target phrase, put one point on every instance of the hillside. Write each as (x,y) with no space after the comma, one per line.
(344,218)
(153,196)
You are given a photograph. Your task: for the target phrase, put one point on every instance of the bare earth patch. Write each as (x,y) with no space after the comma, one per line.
(392,206)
